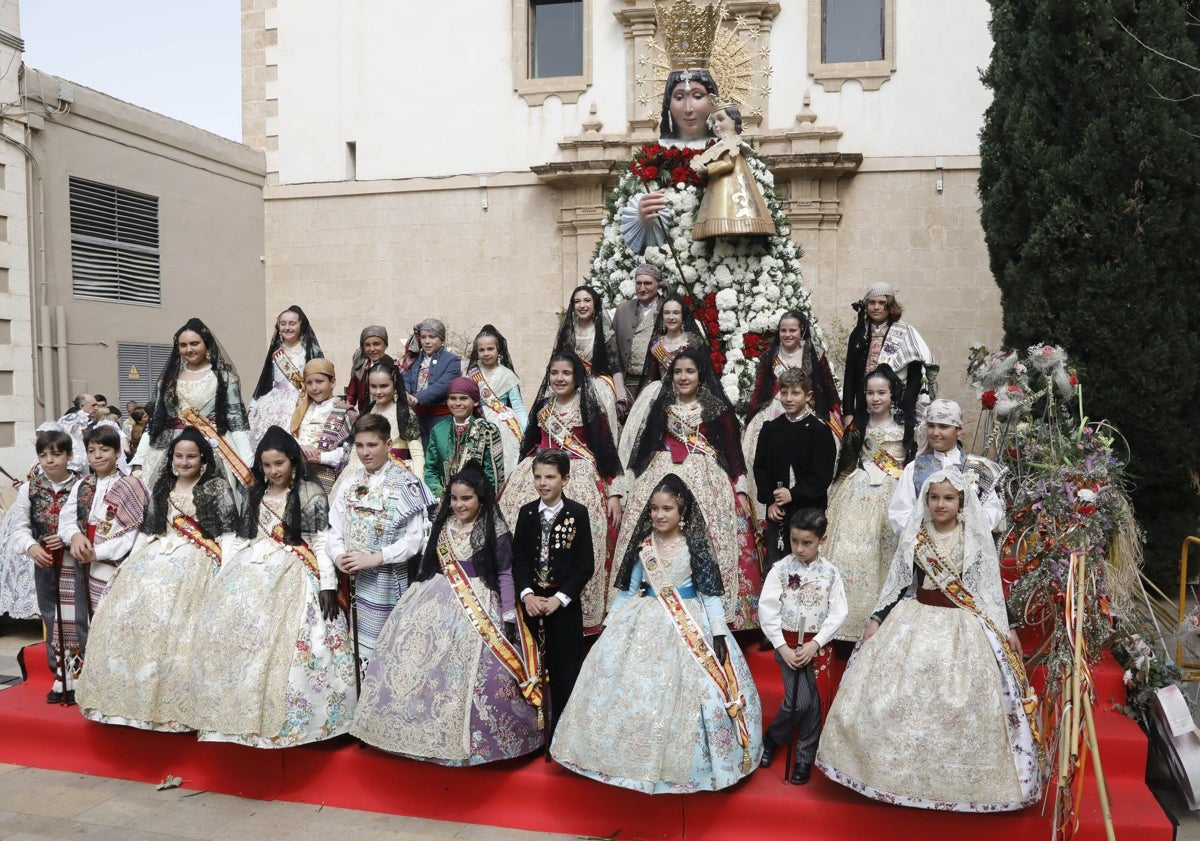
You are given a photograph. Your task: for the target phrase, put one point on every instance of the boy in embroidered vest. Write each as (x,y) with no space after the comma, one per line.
(322,423)
(105,512)
(36,510)
(552,563)
(802,605)
(942,449)
(794,461)
(463,436)
(377,525)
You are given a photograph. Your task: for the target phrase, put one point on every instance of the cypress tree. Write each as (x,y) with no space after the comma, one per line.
(1091,213)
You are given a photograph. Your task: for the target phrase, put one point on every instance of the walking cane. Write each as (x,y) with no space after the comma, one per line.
(354,633)
(544,680)
(790,761)
(60,650)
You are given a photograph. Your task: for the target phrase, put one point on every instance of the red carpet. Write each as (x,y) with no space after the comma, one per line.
(535,795)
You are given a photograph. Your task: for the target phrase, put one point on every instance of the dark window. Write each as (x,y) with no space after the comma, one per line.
(555,38)
(138,368)
(852,30)
(114,244)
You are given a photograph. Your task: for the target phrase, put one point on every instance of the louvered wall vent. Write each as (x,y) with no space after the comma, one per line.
(114,244)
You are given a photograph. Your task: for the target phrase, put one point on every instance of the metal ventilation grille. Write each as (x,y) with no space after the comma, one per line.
(138,368)
(114,244)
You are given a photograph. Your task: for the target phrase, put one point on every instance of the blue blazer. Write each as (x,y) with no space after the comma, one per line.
(444,368)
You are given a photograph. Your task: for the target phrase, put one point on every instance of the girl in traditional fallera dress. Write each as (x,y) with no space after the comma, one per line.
(372,348)
(692,430)
(200,388)
(273,665)
(881,338)
(938,676)
(664,704)
(793,347)
(587,332)
(138,669)
(446,682)
(568,416)
(861,541)
(491,366)
(389,399)
(282,377)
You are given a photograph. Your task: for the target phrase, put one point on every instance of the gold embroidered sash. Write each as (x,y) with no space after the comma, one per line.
(887,462)
(494,403)
(956,592)
(721,674)
(191,416)
(190,529)
(561,435)
(523,664)
(690,437)
(286,367)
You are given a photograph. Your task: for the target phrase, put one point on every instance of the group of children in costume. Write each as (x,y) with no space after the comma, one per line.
(348,565)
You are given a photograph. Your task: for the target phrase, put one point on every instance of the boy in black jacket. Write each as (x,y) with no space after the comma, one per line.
(552,562)
(794,462)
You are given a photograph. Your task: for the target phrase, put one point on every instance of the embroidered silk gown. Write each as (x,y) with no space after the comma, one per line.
(269,670)
(500,398)
(644,714)
(861,541)
(138,669)
(434,690)
(929,713)
(686,452)
(276,406)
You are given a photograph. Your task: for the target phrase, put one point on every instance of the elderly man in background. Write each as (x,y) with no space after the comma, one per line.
(75,423)
(633,323)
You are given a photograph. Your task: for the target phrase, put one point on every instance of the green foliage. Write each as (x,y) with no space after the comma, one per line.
(1091,212)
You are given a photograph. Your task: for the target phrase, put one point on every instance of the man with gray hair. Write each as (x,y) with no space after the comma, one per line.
(633,323)
(75,423)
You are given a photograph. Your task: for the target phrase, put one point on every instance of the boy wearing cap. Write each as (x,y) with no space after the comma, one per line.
(463,436)
(943,425)
(322,423)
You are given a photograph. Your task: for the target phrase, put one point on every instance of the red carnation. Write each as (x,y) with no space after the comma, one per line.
(718,361)
(679,175)
(1074,380)
(989,399)
(649,173)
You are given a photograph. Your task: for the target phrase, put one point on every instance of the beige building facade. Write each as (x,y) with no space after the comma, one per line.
(133,223)
(417,169)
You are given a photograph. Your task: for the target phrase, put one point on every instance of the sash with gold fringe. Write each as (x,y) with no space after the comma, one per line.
(306,555)
(494,403)
(523,664)
(561,435)
(721,674)
(189,528)
(887,462)
(956,591)
(191,416)
(690,438)
(286,367)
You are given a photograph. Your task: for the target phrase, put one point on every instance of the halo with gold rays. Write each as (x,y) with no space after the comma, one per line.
(733,65)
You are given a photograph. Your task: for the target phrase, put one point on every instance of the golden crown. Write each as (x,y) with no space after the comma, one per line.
(688,32)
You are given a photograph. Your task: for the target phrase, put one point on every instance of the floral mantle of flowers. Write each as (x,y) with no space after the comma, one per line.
(738,287)
(1065,480)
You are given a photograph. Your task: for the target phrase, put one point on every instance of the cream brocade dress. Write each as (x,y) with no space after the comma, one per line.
(861,541)
(276,406)
(138,671)
(269,670)
(931,684)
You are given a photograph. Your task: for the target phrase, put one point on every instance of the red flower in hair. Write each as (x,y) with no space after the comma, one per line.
(989,399)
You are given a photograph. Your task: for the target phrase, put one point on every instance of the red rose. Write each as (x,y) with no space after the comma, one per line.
(989,399)
(679,175)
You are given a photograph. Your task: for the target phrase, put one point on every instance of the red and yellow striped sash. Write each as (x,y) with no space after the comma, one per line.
(190,529)
(523,664)
(887,462)
(287,368)
(494,403)
(227,452)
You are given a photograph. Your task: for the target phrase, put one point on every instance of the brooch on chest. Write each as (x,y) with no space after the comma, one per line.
(563,534)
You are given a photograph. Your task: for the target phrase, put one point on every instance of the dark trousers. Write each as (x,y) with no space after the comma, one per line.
(564,650)
(801,709)
(45,584)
